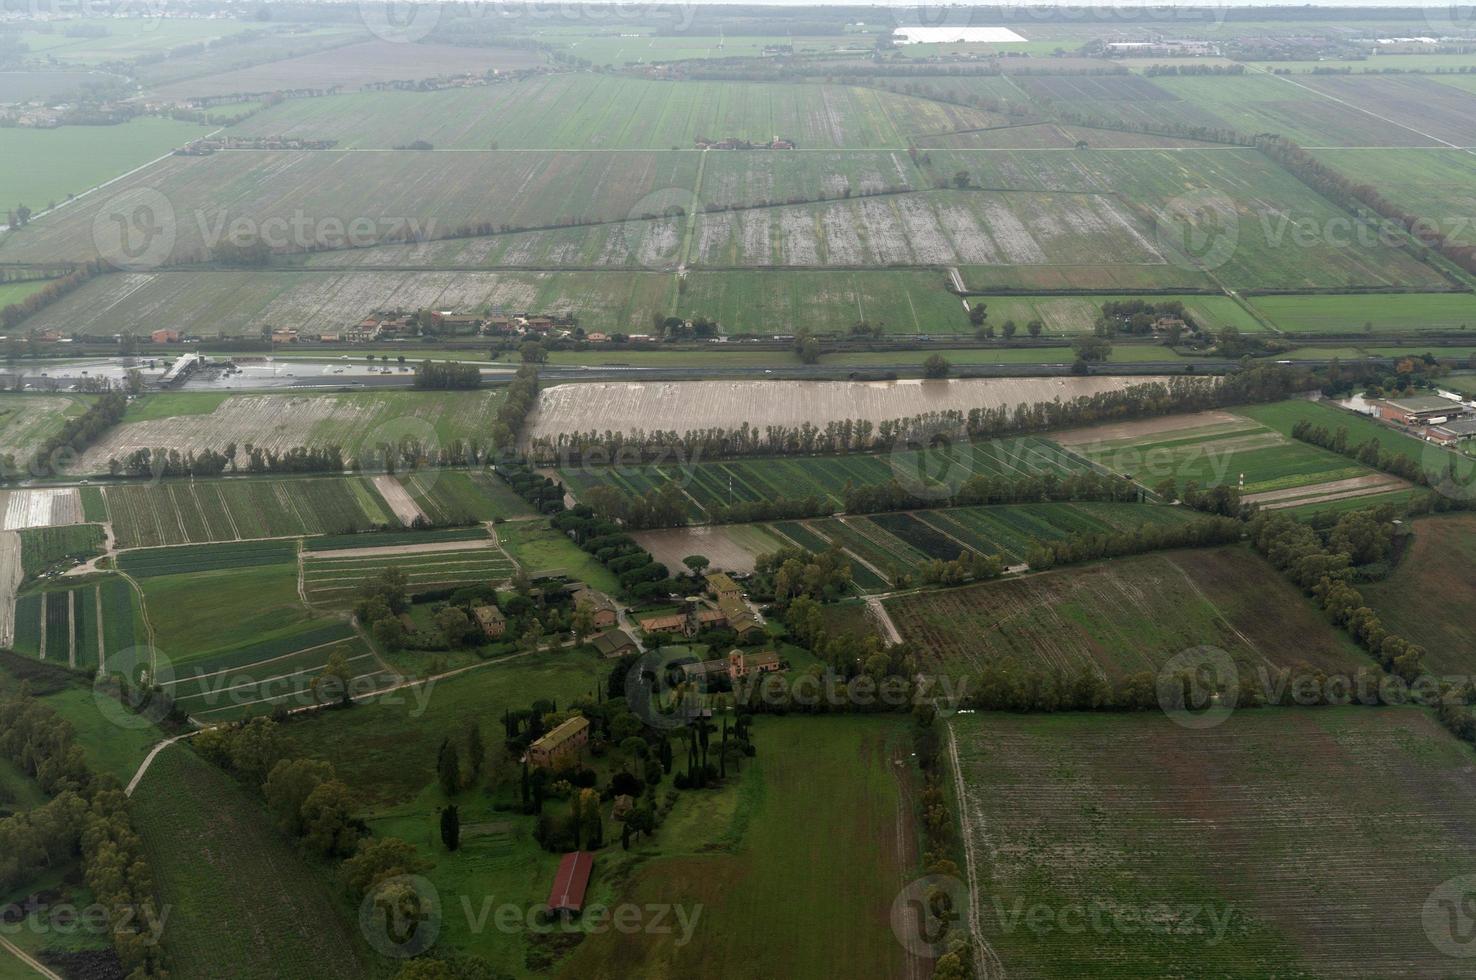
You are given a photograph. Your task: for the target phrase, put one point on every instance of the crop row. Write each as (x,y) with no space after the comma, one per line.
(73,621)
(148,562)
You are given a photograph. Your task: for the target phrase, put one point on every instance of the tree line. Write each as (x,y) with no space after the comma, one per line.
(447,375)
(14,313)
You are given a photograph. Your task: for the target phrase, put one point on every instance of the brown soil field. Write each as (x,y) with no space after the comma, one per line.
(688,405)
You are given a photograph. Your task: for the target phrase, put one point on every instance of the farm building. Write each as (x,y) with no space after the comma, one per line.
(491,620)
(560,748)
(742,664)
(1449,433)
(1421,410)
(164,336)
(705,670)
(613,643)
(732,612)
(566,897)
(722,586)
(599,605)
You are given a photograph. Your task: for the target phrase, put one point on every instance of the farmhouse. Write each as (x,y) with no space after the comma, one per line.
(613,643)
(600,606)
(704,670)
(560,748)
(164,336)
(456,323)
(1421,410)
(491,620)
(722,586)
(566,897)
(742,664)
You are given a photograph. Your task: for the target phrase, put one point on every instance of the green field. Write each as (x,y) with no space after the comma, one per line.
(458,496)
(1425,597)
(1282,416)
(217,856)
(1374,313)
(26,421)
(593,112)
(1213,449)
(75,626)
(182,512)
(14,292)
(39,167)
(1435,184)
(709,485)
(1091,819)
(335,581)
(1125,617)
(42,547)
(816,850)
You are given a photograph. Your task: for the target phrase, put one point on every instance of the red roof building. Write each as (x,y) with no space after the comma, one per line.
(571,882)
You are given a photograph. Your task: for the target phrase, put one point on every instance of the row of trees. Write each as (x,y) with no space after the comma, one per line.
(209,462)
(79,432)
(14,313)
(447,375)
(641,576)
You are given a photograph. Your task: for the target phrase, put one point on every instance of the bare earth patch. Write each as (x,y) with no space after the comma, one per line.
(1139,430)
(670,546)
(688,405)
(10,579)
(398,498)
(1358,486)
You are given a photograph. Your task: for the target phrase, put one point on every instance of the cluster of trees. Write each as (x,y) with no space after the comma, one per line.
(381,603)
(86,816)
(79,432)
(1138,317)
(849,654)
(641,576)
(985,489)
(1203,532)
(1324,564)
(546,496)
(661,506)
(14,313)
(446,375)
(793,573)
(309,803)
(1365,197)
(1259,382)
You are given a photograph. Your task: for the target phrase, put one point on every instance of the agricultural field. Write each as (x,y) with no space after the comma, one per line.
(234,302)
(600,112)
(43,547)
(1442,114)
(1223,449)
(390,195)
(1125,617)
(710,485)
(460,497)
(835,810)
(1425,597)
(1439,185)
(26,421)
(359,423)
(352,66)
(334,578)
(899,302)
(1092,817)
(216,856)
(193,511)
(686,406)
(43,507)
(1373,313)
(731,547)
(42,167)
(99,40)
(80,626)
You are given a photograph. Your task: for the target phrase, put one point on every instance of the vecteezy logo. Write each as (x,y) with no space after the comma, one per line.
(134,687)
(1450,475)
(1198,231)
(659,696)
(932,460)
(1449,917)
(1199,687)
(1449,17)
(402,444)
(401,916)
(399,21)
(135,231)
(926,911)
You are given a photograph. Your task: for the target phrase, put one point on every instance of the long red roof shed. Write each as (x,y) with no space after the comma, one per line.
(571,882)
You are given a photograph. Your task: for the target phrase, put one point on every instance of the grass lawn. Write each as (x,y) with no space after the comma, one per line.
(218,859)
(805,851)
(1375,313)
(111,749)
(39,167)
(539,548)
(204,612)
(1282,416)
(14,292)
